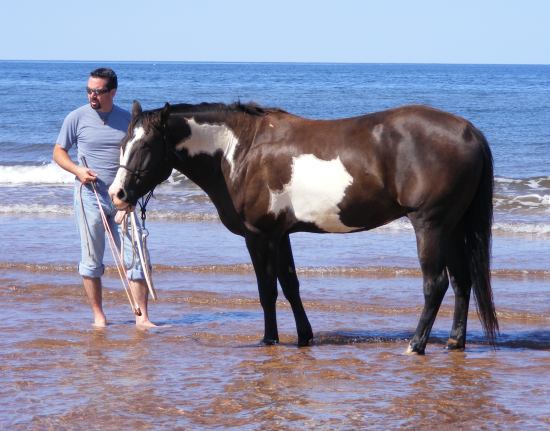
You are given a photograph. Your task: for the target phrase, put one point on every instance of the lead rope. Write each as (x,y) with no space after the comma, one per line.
(117,256)
(142,245)
(123,222)
(139,244)
(144,255)
(88,239)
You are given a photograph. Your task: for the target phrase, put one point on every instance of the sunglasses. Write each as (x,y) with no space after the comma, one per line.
(97,91)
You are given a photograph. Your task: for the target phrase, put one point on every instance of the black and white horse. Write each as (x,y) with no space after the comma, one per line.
(270,173)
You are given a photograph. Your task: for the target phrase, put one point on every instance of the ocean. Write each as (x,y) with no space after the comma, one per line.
(362,291)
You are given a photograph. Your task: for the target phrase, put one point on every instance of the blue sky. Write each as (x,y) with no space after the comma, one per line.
(381,31)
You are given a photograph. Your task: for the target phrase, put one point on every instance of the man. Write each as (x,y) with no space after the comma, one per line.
(96,130)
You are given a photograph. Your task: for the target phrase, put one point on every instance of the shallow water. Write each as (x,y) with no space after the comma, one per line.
(204,369)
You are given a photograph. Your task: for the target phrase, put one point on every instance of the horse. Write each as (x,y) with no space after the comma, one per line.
(270,173)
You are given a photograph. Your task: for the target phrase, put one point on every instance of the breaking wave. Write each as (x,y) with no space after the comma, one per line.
(522,206)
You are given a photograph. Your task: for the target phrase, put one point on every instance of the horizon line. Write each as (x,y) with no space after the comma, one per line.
(262,62)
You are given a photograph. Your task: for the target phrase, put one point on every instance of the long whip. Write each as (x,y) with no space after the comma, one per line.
(117,256)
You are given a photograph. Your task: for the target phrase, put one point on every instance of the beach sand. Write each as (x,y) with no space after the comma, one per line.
(204,368)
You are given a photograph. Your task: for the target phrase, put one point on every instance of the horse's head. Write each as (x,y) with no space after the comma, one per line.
(144,161)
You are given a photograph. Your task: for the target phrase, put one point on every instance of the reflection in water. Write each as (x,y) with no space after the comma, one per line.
(207,370)
(447,388)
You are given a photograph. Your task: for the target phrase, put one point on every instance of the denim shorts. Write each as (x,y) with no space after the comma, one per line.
(93,235)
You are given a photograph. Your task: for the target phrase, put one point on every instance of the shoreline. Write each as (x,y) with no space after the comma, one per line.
(187,246)
(377,272)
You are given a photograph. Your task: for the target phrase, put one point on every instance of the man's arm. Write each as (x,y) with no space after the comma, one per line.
(62,158)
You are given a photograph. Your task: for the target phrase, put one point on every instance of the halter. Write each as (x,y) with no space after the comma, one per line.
(135,172)
(144,200)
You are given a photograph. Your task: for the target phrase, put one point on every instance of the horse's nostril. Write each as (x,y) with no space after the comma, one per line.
(121,194)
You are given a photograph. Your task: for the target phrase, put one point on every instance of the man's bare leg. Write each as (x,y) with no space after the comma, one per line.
(141,293)
(92,286)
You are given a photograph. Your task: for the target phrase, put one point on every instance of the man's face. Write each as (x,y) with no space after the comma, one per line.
(98,95)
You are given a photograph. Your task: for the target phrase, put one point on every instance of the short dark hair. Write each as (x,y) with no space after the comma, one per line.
(108,74)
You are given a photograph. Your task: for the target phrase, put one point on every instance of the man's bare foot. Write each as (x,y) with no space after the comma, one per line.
(100,322)
(144,324)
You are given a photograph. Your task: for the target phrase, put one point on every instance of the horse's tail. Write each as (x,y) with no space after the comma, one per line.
(478,221)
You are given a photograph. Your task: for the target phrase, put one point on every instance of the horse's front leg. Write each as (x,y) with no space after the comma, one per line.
(263,253)
(286,273)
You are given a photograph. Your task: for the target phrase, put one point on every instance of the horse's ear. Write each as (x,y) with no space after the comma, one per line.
(165,113)
(136,109)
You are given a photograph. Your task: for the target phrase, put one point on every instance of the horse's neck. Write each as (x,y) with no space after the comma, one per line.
(214,153)
(207,173)
(221,134)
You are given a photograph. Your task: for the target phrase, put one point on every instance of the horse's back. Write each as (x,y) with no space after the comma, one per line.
(361,172)
(429,155)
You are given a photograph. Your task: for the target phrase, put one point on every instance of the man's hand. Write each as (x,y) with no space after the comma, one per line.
(85,175)
(61,157)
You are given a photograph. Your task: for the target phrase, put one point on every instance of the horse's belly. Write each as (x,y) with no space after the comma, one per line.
(314,192)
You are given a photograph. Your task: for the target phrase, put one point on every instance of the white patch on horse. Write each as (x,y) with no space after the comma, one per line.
(210,138)
(121,173)
(315,189)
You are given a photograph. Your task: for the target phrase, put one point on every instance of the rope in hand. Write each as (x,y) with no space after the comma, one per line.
(143,254)
(117,255)
(141,247)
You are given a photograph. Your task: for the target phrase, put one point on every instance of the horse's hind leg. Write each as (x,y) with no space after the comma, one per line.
(286,272)
(435,281)
(459,272)
(263,253)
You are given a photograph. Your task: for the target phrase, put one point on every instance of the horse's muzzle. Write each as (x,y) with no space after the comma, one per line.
(122,199)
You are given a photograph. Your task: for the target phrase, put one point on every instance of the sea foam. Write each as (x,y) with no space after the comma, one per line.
(49,173)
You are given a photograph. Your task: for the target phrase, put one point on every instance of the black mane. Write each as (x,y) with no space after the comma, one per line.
(152,118)
(248,108)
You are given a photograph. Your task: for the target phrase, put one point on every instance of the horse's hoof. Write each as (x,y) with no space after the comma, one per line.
(413,351)
(454,345)
(304,342)
(270,342)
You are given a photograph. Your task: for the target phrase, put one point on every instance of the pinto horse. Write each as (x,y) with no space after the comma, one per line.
(271,173)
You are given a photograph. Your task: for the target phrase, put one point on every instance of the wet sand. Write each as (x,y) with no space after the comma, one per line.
(204,368)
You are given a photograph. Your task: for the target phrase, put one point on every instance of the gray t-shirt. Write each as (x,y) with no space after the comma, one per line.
(97,136)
